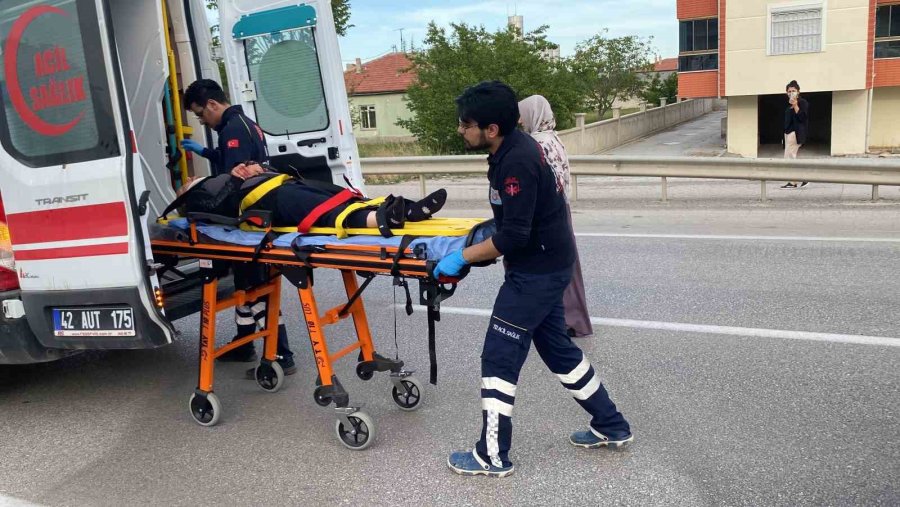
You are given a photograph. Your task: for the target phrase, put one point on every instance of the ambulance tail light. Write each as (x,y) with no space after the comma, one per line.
(9,279)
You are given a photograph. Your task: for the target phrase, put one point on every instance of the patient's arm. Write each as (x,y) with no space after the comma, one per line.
(244,171)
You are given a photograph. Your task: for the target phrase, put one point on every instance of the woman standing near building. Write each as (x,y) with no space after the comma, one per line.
(537,119)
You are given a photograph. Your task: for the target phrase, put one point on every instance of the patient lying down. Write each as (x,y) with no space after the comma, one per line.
(299,203)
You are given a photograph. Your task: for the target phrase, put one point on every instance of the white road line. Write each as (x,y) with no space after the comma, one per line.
(708,329)
(735,237)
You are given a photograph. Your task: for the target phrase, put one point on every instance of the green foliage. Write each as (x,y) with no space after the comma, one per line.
(467,55)
(607,69)
(658,88)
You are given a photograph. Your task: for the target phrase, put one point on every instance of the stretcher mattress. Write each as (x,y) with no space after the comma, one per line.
(433,247)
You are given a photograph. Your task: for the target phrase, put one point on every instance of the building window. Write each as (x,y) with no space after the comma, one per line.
(887,31)
(367,115)
(795,30)
(698,45)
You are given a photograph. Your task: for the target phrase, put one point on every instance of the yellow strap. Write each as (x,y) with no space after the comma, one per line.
(261,190)
(448,227)
(339,221)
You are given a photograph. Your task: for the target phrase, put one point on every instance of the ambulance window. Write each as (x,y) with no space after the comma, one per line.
(55,90)
(290,98)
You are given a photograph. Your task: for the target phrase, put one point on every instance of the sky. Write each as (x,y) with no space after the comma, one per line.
(377,22)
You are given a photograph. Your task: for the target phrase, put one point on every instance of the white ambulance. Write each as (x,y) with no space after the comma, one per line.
(89,129)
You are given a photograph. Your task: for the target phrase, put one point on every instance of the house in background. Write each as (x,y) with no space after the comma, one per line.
(845,55)
(377,93)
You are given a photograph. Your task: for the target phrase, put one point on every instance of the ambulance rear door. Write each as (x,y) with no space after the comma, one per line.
(71,187)
(284,67)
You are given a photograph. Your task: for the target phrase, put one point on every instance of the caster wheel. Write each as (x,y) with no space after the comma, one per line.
(205,410)
(360,435)
(408,399)
(269,376)
(362,374)
(322,400)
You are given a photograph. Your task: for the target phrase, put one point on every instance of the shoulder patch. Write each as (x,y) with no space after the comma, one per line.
(234,143)
(511,186)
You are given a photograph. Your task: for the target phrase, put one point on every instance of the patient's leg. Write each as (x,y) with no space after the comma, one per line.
(424,209)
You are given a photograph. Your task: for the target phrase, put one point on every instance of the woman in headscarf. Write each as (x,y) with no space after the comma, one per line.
(537,119)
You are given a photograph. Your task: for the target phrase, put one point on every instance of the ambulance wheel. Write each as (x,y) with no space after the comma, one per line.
(205,410)
(360,435)
(269,376)
(322,400)
(408,399)
(363,374)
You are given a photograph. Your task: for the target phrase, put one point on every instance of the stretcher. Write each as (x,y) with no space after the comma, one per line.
(217,242)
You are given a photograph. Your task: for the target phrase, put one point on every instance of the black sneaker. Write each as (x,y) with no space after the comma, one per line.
(803,184)
(239,355)
(789,186)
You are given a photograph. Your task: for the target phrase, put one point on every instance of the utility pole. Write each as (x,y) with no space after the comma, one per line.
(402,42)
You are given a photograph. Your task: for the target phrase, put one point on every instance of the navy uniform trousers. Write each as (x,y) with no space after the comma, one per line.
(529,308)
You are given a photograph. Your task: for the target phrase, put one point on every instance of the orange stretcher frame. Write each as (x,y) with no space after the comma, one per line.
(354,428)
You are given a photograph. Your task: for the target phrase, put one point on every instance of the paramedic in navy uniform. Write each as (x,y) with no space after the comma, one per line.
(240,140)
(535,240)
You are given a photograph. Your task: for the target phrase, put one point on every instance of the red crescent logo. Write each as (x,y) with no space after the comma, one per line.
(10,63)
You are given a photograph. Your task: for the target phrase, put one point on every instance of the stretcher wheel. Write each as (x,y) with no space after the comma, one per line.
(360,435)
(322,399)
(269,376)
(364,374)
(410,398)
(205,410)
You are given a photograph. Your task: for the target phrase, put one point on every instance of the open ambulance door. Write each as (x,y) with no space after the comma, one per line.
(71,186)
(284,67)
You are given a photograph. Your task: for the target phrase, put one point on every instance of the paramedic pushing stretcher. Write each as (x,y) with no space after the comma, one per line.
(240,139)
(535,239)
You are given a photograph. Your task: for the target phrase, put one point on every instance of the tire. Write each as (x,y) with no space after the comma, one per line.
(410,400)
(365,431)
(205,410)
(269,376)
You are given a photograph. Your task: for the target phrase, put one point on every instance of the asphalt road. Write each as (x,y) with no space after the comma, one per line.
(697,341)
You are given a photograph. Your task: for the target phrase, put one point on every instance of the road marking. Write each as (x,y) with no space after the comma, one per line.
(708,329)
(734,237)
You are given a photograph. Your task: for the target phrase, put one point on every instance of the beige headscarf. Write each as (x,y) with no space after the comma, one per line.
(537,119)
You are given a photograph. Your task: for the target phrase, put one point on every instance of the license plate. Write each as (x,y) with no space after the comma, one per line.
(118,321)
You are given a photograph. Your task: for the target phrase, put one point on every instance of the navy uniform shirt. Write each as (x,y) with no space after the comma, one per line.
(240,140)
(533,231)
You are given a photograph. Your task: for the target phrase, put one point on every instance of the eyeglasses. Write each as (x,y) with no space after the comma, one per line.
(200,114)
(465,127)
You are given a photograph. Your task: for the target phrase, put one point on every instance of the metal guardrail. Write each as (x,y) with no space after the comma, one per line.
(862,171)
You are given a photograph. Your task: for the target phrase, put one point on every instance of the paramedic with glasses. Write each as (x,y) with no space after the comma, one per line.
(535,239)
(240,140)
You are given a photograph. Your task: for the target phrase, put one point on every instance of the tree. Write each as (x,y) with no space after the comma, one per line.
(467,55)
(661,88)
(608,68)
(340,9)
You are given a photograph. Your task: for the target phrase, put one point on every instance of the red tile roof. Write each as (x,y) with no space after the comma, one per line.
(666,65)
(381,75)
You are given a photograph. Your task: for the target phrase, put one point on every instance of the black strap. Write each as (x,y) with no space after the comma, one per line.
(356,295)
(434,315)
(267,240)
(405,241)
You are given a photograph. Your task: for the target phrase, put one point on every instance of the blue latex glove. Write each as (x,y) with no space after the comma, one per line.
(450,265)
(191,145)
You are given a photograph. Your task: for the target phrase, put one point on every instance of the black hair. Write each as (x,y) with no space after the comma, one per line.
(203,90)
(487,103)
(792,84)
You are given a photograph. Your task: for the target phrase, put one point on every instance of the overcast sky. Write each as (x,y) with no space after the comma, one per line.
(377,21)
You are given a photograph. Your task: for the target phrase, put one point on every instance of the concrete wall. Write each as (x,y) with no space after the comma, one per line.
(848,122)
(743,126)
(388,109)
(608,134)
(885,132)
(750,71)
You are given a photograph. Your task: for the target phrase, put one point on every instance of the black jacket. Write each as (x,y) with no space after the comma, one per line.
(533,231)
(797,122)
(240,140)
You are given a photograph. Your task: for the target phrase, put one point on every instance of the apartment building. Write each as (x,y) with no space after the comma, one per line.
(844,53)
